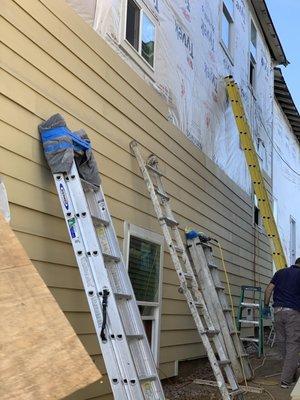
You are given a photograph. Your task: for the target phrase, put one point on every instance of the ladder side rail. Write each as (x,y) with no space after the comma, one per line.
(114,326)
(91,286)
(217,339)
(115,248)
(256,173)
(228,313)
(183,282)
(126,284)
(212,300)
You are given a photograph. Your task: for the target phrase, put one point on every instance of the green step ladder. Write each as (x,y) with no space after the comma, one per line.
(256,307)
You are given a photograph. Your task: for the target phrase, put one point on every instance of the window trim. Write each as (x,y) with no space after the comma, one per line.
(150,236)
(258,225)
(135,55)
(251,43)
(229,51)
(252,59)
(293,223)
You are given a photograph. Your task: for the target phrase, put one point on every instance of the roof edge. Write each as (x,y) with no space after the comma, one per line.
(268,28)
(286,102)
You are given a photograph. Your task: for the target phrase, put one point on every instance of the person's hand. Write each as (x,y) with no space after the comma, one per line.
(266,312)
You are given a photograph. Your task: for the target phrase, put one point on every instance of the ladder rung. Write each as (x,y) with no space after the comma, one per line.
(125,296)
(110,257)
(135,336)
(235,332)
(224,362)
(246,321)
(210,332)
(170,222)
(146,378)
(197,304)
(188,276)
(236,392)
(250,305)
(88,186)
(243,355)
(245,339)
(99,221)
(156,171)
(212,265)
(162,195)
(227,309)
(180,251)
(219,287)
(251,288)
(205,244)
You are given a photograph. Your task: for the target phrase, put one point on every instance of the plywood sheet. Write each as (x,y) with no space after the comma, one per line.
(295,395)
(41,356)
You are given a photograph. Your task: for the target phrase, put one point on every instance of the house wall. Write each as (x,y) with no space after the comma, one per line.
(286,179)
(52,61)
(190,64)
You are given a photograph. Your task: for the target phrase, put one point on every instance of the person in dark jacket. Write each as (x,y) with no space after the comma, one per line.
(285,286)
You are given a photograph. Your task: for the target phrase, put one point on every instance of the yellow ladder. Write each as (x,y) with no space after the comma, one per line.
(255,172)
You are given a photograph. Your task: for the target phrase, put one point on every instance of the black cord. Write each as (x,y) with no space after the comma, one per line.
(104,312)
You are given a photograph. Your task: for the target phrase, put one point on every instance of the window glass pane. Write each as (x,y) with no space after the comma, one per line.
(252,72)
(148,36)
(144,260)
(253,34)
(253,40)
(133,24)
(148,324)
(225,31)
(229,6)
(147,311)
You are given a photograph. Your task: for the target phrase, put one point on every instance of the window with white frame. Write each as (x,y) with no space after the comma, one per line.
(253,55)
(140,31)
(227,25)
(144,254)
(256,216)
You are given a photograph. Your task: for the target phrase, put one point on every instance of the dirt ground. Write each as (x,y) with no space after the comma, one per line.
(267,376)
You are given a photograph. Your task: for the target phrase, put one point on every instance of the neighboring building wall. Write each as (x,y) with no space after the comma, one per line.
(52,61)
(190,62)
(286,184)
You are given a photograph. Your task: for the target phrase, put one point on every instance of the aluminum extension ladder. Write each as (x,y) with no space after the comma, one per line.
(255,172)
(188,283)
(128,359)
(207,274)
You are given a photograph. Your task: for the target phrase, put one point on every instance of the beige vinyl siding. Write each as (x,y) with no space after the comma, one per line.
(51,61)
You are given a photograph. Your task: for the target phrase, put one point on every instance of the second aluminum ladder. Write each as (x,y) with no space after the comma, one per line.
(221,366)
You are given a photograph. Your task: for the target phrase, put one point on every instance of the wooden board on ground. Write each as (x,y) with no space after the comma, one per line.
(250,389)
(295,395)
(41,356)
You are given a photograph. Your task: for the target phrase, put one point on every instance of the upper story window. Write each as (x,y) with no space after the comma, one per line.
(227,25)
(140,31)
(253,55)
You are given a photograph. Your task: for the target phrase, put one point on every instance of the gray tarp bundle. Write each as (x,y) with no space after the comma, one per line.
(61,147)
